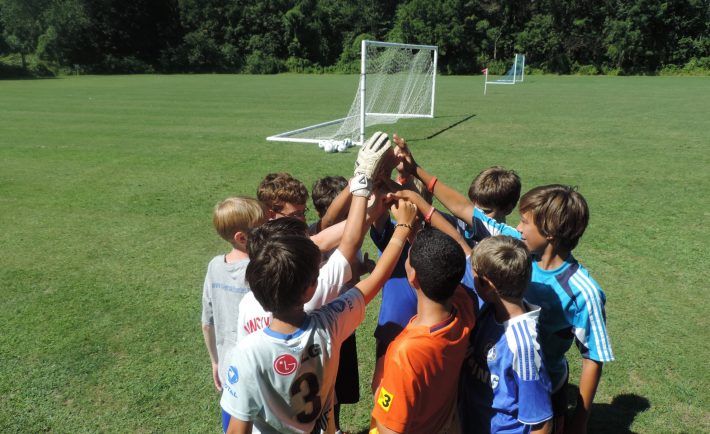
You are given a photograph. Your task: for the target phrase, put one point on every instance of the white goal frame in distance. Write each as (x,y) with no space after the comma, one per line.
(515,74)
(284,137)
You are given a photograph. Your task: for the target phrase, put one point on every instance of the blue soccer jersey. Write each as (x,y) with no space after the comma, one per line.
(399,300)
(572,307)
(504,385)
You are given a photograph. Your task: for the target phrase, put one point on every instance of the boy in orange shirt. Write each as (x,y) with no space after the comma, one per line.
(417,393)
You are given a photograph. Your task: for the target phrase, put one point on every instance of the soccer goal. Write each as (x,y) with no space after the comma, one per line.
(397,81)
(516,73)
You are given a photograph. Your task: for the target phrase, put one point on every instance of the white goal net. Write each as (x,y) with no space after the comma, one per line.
(396,81)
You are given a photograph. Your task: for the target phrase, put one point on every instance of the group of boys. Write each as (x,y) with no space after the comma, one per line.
(475,320)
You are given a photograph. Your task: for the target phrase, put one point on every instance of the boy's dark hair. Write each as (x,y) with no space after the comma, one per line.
(558,211)
(282,226)
(281,270)
(439,262)
(506,262)
(276,189)
(495,188)
(325,190)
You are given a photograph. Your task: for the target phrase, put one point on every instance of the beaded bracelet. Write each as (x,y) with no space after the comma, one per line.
(405,225)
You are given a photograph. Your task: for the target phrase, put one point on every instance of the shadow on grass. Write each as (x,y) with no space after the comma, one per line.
(443,130)
(617,416)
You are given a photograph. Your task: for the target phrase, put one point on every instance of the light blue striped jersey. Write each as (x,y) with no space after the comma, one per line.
(504,385)
(572,307)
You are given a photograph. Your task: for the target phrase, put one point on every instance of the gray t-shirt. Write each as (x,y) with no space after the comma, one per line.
(224,288)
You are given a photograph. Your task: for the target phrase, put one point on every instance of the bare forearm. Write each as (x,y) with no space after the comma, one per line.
(456,202)
(354,230)
(440,223)
(337,210)
(330,238)
(588,382)
(371,285)
(210,342)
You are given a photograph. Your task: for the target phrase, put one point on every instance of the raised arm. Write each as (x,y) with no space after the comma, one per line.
(435,219)
(405,213)
(330,238)
(354,229)
(457,203)
(337,210)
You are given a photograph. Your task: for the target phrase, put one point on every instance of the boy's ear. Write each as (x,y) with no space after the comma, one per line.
(240,237)
(412,277)
(485,283)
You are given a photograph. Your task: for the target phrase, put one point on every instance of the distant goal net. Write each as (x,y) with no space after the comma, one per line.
(397,81)
(516,73)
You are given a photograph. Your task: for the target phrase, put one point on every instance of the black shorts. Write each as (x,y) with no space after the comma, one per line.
(347,383)
(559,399)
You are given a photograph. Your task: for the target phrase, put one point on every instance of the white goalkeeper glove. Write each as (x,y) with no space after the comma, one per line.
(368,164)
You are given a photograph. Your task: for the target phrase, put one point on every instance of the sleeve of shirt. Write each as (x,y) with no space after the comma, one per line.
(241,396)
(484,226)
(534,405)
(395,397)
(344,314)
(207,310)
(331,278)
(589,320)
(241,318)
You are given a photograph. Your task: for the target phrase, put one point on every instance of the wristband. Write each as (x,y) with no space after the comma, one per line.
(404,225)
(432,183)
(427,217)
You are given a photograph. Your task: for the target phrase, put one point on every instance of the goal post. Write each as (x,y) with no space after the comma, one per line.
(516,73)
(397,81)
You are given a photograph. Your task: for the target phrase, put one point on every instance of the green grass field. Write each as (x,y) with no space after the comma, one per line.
(107,186)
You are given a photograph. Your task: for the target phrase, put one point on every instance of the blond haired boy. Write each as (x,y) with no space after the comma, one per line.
(225,283)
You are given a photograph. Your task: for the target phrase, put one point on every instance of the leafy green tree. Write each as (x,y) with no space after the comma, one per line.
(22,22)
(441,23)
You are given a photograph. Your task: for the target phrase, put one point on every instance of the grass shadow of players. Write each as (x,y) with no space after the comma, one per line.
(615,417)
(443,130)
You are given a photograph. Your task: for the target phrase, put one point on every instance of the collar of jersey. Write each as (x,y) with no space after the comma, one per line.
(293,335)
(444,323)
(568,261)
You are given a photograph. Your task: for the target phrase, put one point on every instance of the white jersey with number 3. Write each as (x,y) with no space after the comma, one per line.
(285,383)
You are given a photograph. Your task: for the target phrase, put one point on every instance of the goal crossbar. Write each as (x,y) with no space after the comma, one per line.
(404,86)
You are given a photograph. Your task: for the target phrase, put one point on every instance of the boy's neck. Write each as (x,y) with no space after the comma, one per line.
(429,312)
(508,308)
(288,322)
(552,257)
(235,255)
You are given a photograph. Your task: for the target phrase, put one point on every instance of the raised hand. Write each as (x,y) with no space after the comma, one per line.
(404,212)
(370,163)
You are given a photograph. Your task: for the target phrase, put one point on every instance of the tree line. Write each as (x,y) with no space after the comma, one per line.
(44,37)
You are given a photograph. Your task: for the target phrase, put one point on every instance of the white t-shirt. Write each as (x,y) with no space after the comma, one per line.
(286,383)
(331,277)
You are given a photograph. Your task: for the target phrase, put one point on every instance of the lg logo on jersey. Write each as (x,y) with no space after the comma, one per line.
(312,352)
(285,364)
